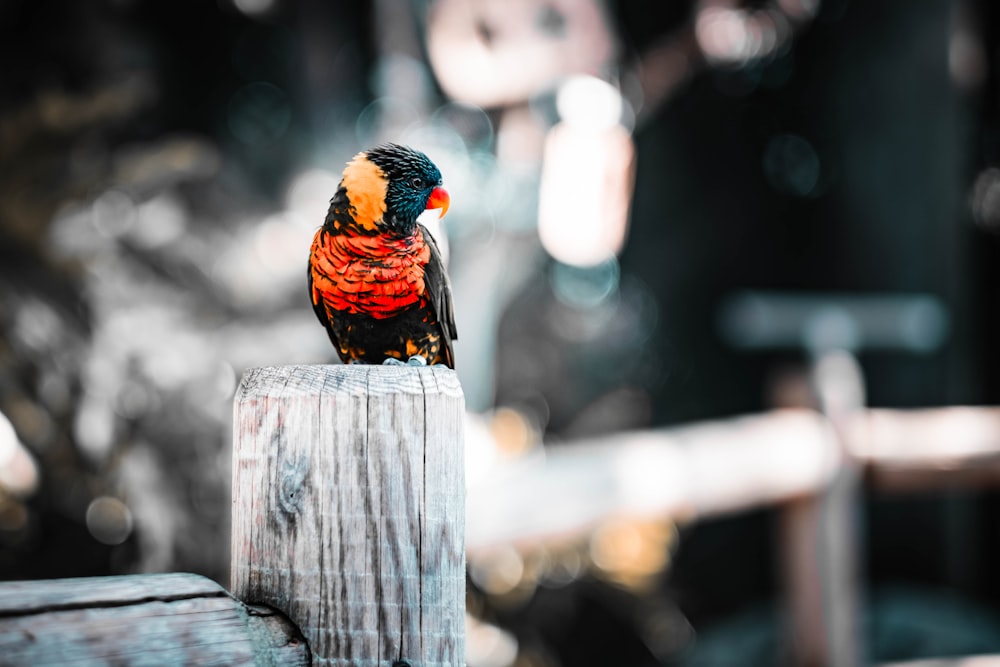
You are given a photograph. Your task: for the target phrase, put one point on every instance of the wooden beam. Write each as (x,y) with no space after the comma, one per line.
(731,465)
(690,472)
(156,619)
(348,509)
(933,449)
(953,661)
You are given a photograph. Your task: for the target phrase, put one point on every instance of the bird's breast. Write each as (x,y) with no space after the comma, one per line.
(374,275)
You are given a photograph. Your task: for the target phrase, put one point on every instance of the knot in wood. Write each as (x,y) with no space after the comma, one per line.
(291,487)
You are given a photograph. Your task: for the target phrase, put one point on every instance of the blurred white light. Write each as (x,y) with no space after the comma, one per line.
(72,232)
(564,569)
(589,101)
(383,119)
(37,325)
(615,544)
(432,220)
(161,220)
(109,520)
(481,452)
(254,7)
(722,34)
(487,645)
(968,63)
(94,427)
(799,9)
(18,473)
(733,36)
(308,196)
(499,54)
(404,77)
(281,245)
(986,199)
(520,137)
(585,190)
(499,571)
(224,380)
(113,213)
(175,353)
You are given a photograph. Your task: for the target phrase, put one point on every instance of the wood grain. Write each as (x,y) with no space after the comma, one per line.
(168,619)
(348,509)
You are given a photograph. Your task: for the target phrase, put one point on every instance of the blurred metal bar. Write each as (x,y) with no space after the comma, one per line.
(759,320)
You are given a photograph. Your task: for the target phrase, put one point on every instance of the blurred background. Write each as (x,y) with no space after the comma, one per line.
(661,211)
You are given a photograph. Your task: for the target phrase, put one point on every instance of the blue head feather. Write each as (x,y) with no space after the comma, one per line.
(412,176)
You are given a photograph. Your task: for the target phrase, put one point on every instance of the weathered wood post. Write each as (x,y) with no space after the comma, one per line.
(349,509)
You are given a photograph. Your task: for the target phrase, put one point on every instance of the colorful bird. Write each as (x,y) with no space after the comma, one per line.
(376,277)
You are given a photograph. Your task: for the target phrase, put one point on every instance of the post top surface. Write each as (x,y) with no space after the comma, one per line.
(351,379)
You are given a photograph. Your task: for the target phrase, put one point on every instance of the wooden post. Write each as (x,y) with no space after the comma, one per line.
(349,509)
(841,390)
(820,535)
(806,638)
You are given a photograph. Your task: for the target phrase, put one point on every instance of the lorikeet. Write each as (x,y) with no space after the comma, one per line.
(376,277)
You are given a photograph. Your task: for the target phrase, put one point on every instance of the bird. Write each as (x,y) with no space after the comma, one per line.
(377,280)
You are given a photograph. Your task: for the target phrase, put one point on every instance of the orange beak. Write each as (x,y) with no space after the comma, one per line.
(439,199)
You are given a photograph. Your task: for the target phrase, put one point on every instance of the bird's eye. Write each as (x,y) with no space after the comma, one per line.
(417,182)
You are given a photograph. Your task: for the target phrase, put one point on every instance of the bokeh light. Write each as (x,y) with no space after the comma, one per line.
(585,189)
(986,199)
(589,102)
(109,520)
(584,287)
(254,7)
(735,36)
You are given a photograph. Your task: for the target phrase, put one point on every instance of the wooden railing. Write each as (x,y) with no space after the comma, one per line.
(349,523)
(794,460)
(348,517)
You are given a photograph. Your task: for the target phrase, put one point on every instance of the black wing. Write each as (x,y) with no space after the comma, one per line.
(439,292)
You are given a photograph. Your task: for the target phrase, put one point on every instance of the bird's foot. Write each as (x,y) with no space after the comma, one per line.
(415,360)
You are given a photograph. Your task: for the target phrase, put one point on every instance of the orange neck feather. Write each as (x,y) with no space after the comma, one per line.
(366,187)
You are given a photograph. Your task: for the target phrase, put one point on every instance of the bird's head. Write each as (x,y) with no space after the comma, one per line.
(390,185)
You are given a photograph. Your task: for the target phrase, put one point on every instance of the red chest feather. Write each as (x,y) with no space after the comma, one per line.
(371,275)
